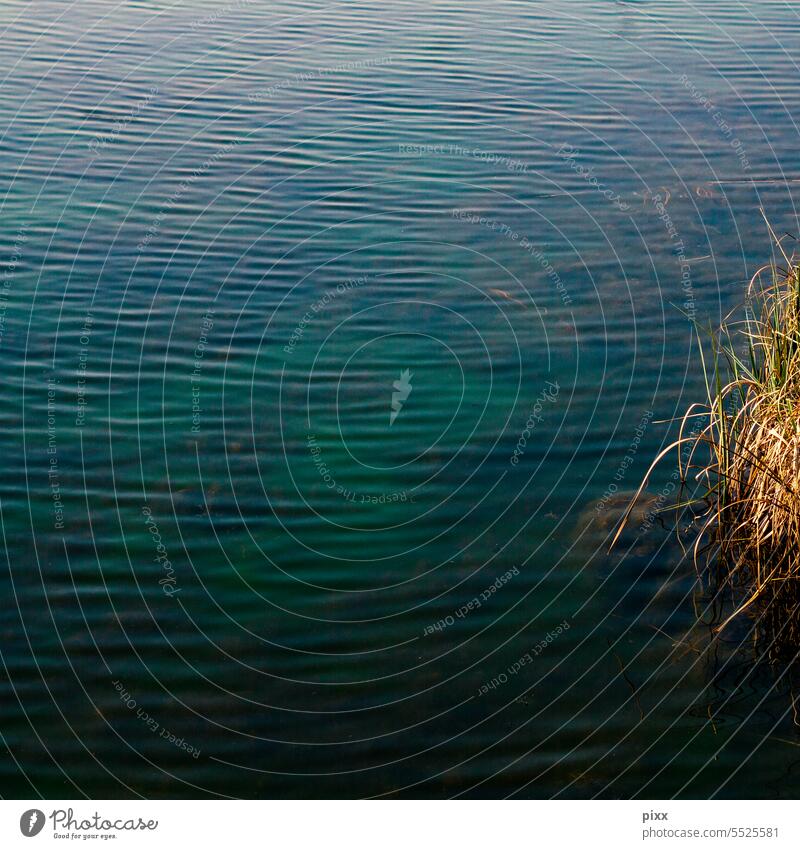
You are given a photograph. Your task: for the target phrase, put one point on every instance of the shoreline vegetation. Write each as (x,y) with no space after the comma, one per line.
(739,461)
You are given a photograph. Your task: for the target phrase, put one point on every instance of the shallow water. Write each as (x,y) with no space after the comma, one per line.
(332,333)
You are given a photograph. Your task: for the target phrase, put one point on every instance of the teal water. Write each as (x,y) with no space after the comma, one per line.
(331,334)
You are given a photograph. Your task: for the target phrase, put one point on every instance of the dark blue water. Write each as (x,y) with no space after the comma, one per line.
(334,338)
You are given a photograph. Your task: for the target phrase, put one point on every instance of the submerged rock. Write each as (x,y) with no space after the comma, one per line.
(647,556)
(644,527)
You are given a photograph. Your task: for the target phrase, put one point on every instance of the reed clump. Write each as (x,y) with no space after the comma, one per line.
(739,458)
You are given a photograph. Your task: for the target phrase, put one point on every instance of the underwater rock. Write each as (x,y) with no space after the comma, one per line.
(600,520)
(647,544)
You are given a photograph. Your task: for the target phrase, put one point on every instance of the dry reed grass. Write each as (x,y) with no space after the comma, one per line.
(741,466)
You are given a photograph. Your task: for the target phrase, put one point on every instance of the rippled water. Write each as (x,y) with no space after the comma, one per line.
(333,337)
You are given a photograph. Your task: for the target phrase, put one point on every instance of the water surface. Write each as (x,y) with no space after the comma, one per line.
(331,335)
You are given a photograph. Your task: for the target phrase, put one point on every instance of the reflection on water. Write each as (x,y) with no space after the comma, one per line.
(334,340)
